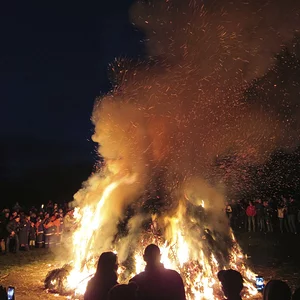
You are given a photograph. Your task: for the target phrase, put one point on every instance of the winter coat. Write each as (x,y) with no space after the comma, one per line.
(12,225)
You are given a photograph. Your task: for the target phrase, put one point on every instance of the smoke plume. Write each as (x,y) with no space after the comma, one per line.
(170,117)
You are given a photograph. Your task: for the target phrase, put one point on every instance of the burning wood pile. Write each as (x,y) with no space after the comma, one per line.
(196,250)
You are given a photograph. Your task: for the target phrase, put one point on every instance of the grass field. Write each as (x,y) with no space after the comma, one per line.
(26,271)
(272,256)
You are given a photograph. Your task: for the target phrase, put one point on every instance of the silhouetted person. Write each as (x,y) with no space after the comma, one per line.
(24,232)
(292,211)
(4,220)
(296,295)
(277,290)
(3,293)
(156,282)
(104,279)
(123,292)
(232,284)
(13,229)
(251,213)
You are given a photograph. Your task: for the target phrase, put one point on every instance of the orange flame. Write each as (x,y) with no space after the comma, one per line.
(178,251)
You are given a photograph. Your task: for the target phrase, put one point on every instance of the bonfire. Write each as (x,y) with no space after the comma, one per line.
(188,243)
(160,131)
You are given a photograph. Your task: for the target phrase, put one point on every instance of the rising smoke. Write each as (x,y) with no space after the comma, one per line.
(169,118)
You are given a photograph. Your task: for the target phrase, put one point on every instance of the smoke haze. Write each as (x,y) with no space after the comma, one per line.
(169,118)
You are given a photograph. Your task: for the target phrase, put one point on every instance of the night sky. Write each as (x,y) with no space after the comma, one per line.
(54,61)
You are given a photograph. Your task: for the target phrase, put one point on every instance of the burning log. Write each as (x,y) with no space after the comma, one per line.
(56,280)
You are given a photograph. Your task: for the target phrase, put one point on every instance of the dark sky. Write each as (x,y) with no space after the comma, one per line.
(53,64)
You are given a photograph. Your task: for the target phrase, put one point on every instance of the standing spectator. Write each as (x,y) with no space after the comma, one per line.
(3,232)
(228,210)
(32,235)
(242,216)
(24,232)
(69,221)
(260,215)
(281,210)
(57,223)
(60,217)
(39,232)
(268,216)
(13,229)
(251,213)
(50,231)
(285,219)
(291,215)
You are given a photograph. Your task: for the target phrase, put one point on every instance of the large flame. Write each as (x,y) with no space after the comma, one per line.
(182,243)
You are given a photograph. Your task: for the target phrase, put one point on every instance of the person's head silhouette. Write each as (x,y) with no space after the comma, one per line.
(277,290)
(152,255)
(232,283)
(108,262)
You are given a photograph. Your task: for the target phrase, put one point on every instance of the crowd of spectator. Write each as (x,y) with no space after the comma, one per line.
(264,216)
(46,227)
(43,227)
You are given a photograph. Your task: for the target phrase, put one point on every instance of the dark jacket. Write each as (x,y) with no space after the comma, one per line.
(12,225)
(3,223)
(32,233)
(24,231)
(99,286)
(292,208)
(159,284)
(259,210)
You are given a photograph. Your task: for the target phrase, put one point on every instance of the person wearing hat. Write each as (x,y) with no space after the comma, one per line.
(232,284)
